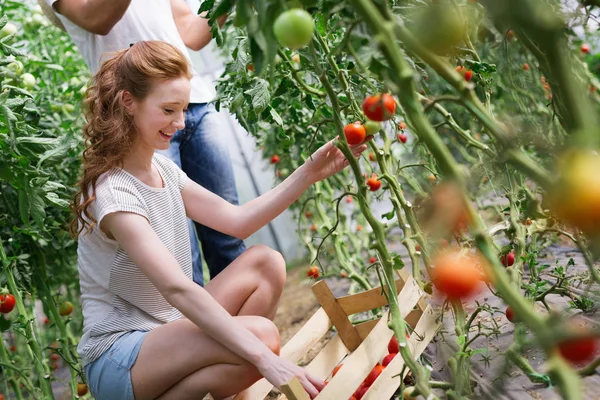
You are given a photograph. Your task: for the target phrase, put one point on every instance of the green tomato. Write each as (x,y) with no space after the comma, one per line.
(8,29)
(372,127)
(16,67)
(69,108)
(74,81)
(440,27)
(28,80)
(294,28)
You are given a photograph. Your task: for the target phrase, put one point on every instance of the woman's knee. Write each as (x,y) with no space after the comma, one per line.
(268,261)
(267,332)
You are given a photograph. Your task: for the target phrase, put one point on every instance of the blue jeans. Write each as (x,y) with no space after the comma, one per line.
(201,151)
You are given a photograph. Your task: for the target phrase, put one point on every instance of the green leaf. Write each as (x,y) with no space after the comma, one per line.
(38,206)
(276,116)
(397,261)
(51,185)
(53,198)
(24,205)
(260,95)
(3,21)
(388,215)
(38,140)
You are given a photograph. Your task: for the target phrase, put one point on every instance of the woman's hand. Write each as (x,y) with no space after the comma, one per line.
(278,371)
(329,160)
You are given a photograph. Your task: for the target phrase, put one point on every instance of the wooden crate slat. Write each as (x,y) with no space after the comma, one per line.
(365,301)
(306,338)
(328,358)
(387,383)
(358,364)
(294,390)
(403,274)
(337,316)
(364,328)
(324,362)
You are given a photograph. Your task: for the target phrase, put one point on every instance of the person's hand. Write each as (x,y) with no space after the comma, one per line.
(329,160)
(278,371)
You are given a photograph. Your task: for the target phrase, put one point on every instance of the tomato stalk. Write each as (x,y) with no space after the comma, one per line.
(396,323)
(32,344)
(303,85)
(7,366)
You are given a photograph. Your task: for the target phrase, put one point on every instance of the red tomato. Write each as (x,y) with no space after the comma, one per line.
(274,159)
(578,350)
(402,137)
(455,275)
(508,260)
(7,303)
(402,125)
(357,392)
(585,48)
(372,157)
(375,372)
(510,314)
(393,346)
(373,183)
(526,67)
(13,348)
(313,228)
(313,272)
(349,199)
(54,357)
(379,107)
(336,369)
(388,359)
(355,133)
(359,228)
(468,75)
(308,214)
(372,260)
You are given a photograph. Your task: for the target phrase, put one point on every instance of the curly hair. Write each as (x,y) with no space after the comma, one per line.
(109,131)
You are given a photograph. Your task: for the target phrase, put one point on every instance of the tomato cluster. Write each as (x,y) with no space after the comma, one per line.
(313,272)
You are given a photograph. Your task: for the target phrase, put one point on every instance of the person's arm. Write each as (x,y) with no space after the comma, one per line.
(242,221)
(193,28)
(135,235)
(95,16)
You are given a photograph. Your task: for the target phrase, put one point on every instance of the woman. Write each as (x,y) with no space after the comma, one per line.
(149,331)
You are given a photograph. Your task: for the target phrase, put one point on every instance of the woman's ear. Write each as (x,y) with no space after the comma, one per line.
(129,102)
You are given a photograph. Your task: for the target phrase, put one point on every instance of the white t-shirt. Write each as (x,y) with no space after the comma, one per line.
(143,20)
(116,296)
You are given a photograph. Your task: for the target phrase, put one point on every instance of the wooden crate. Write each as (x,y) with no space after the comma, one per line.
(360,346)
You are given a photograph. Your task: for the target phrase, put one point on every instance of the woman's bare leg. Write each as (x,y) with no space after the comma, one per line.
(179,361)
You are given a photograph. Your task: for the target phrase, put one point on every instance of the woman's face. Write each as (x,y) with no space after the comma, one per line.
(161,113)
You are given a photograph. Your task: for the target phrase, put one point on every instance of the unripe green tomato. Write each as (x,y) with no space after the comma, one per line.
(8,29)
(28,80)
(39,19)
(16,67)
(83,90)
(55,107)
(37,9)
(372,127)
(294,28)
(69,108)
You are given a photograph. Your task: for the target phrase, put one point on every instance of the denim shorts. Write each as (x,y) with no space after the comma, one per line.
(109,377)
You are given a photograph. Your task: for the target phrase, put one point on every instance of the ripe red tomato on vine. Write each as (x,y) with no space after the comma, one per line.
(456,275)
(313,272)
(355,133)
(379,107)
(373,183)
(7,303)
(275,159)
